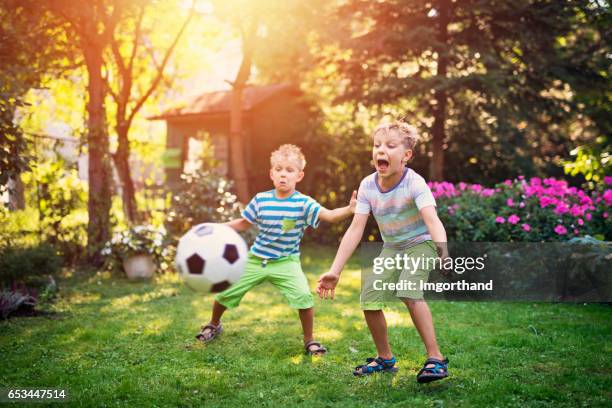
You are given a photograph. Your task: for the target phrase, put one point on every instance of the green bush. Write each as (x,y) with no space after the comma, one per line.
(204,196)
(532,210)
(57,206)
(21,264)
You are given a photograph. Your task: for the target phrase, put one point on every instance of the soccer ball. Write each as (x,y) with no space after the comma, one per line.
(211,257)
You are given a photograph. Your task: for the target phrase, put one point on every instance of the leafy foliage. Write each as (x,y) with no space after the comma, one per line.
(488,83)
(19,264)
(203,196)
(61,198)
(591,160)
(28,50)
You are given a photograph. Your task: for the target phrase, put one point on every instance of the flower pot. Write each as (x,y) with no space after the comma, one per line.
(139,267)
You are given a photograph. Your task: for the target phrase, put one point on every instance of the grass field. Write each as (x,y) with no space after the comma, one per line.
(117,343)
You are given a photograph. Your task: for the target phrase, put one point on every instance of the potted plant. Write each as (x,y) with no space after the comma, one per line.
(139,250)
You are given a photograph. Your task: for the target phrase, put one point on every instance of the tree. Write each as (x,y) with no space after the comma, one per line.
(485,81)
(271,32)
(27,52)
(92,23)
(126,67)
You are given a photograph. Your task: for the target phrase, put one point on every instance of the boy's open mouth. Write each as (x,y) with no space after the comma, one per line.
(382,164)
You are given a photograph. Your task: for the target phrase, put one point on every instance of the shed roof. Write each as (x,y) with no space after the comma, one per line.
(220,101)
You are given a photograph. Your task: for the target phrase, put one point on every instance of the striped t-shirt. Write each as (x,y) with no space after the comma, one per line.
(397,210)
(281,222)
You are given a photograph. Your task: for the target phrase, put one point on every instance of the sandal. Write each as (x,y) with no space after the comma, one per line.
(316,352)
(381,366)
(437,372)
(209,332)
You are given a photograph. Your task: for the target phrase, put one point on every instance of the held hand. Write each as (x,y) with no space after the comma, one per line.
(442,249)
(326,287)
(353,202)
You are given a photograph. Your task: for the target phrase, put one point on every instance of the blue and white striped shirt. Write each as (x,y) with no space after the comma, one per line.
(281,222)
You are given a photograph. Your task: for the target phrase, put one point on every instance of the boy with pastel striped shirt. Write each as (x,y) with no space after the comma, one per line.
(282,215)
(405,211)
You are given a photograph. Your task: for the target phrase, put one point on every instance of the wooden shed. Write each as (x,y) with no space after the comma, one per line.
(272,115)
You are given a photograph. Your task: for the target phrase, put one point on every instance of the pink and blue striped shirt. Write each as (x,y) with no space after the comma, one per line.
(397,210)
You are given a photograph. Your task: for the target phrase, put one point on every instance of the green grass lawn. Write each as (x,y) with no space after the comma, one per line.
(117,343)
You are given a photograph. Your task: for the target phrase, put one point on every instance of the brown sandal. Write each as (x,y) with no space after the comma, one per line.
(209,332)
(320,350)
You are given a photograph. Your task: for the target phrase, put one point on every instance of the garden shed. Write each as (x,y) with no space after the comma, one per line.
(272,115)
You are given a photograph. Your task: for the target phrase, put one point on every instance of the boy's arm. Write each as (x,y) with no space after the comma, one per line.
(239,224)
(339,214)
(436,229)
(328,281)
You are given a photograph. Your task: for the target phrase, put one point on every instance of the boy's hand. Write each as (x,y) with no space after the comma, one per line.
(353,202)
(326,287)
(442,248)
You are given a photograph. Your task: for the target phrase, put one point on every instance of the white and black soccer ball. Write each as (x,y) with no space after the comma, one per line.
(211,257)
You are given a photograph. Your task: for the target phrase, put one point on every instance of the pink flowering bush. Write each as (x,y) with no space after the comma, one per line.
(524,210)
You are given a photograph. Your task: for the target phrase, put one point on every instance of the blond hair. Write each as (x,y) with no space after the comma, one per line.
(407,132)
(289,152)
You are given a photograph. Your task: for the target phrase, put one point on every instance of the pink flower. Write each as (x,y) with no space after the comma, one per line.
(576,210)
(526,227)
(508,183)
(521,177)
(605,214)
(588,216)
(608,180)
(522,204)
(510,202)
(514,219)
(546,201)
(580,221)
(560,230)
(500,220)
(561,208)
(608,197)
(576,231)
(487,192)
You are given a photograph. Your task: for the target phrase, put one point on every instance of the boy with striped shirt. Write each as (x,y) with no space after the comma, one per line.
(405,211)
(282,215)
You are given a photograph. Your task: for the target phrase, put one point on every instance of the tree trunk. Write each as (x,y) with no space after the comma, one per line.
(16,194)
(99,172)
(238,167)
(122,164)
(438,131)
(237,147)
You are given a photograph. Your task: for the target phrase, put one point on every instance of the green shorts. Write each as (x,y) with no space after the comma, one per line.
(375,291)
(284,273)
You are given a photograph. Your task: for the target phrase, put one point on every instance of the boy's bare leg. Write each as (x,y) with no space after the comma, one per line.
(307,320)
(208,332)
(421,317)
(217,312)
(378,328)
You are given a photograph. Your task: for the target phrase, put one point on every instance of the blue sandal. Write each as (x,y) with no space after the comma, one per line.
(437,372)
(382,365)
